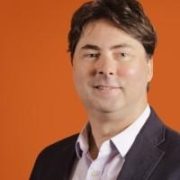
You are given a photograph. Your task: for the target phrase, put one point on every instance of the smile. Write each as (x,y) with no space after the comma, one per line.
(102,87)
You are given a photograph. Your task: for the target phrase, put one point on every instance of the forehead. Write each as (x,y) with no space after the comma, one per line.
(105,34)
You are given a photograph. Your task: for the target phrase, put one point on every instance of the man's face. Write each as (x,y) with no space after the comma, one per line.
(110,69)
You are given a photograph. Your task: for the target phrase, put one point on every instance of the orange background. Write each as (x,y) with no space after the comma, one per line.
(38,104)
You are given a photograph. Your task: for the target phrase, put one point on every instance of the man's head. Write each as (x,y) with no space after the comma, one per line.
(111,44)
(127,15)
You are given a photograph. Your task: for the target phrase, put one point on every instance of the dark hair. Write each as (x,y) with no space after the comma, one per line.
(128,15)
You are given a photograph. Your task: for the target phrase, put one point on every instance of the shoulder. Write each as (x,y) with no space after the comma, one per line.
(61,146)
(169,166)
(167,143)
(169,138)
(57,152)
(172,139)
(165,138)
(54,157)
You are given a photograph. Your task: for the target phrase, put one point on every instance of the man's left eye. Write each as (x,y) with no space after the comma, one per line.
(123,54)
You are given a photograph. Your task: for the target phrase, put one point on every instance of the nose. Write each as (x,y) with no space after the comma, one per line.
(105,66)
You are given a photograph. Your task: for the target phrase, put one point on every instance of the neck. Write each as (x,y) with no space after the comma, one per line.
(106,125)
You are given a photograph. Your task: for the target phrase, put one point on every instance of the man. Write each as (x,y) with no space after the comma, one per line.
(112,44)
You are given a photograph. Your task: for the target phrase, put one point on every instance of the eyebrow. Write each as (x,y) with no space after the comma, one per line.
(91,46)
(94,47)
(123,45)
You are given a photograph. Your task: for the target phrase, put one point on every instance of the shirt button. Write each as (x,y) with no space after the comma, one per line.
(94,173)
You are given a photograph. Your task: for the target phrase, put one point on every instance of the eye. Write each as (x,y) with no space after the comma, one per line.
(123,54)
(92,55)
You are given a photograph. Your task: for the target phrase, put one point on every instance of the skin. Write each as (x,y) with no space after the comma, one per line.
(111,71)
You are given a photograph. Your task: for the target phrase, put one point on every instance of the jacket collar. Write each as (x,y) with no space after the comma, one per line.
(144,154)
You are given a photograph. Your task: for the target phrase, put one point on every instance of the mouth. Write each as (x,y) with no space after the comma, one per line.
(107,90)
(106,87)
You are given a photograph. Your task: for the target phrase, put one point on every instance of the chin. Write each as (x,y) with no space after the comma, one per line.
(108,109)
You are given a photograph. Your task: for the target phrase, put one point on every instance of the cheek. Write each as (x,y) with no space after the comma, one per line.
(127,72)
(76,77)
(79,78)
(135,73)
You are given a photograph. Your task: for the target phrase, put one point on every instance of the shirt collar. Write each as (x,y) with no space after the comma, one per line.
(82,143)
(122,141)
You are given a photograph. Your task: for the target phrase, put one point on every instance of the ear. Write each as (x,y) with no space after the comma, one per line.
(150,69)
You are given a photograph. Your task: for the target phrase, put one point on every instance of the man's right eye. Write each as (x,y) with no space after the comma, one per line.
(91,55)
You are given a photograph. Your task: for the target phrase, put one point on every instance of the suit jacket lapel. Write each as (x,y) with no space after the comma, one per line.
(144,155)
(64,161)
(68,162)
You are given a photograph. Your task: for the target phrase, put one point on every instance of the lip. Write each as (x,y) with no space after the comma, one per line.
(106,87)
(107,91)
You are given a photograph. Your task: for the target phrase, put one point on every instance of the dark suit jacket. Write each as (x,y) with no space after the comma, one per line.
(155,155)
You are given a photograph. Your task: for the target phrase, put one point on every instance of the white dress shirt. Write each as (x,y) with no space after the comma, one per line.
(112,152)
